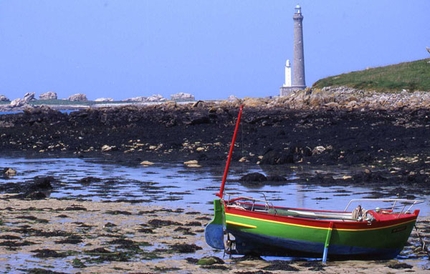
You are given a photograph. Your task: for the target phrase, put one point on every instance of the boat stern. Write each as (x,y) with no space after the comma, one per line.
(214,231)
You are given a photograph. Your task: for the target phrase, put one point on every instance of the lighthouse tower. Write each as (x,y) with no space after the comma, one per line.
(298,68)
(299,55)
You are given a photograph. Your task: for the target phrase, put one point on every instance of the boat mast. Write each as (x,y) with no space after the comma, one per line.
(227,165)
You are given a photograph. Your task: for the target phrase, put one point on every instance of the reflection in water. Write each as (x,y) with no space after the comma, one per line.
(173,185)
(300,196)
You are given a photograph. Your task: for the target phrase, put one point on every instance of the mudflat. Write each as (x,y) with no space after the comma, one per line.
(70,236)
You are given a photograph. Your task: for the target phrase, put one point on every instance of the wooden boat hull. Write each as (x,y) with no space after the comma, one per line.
(268,234)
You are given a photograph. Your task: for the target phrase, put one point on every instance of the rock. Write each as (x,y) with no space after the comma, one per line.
(243,160)
(29,96)
(198,103)
(8,172)
(254,102)
(103,100)
(19,102)
(318,150)
(79,97)
(48,96)
(199,120)
(181,96)
(398,265)
(253,177)
(42,183)
(275,157)
(210,260)
(4,98)
(36,195)
(136,99)
(192,163)
(40,188)
(233,98)
(106,148)
(155,98)
(146,163)
(151,99)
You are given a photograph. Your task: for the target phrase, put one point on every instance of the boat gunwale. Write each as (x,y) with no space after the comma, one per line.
(303,218)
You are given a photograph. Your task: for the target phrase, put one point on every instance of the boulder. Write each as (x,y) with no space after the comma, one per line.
(232,98)
(8,172)
(156,98)
(29,96)
(4,98)
(48,96)
(40,188)
(78,97)
(253,177)
(19,102)
(276,157)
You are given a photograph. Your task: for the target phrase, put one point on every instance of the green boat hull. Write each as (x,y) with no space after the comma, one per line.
(268,234)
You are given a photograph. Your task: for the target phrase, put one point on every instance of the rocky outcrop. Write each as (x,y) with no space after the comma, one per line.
(232,98)
(19,102)
(182,97)
(135,99)
(4,98)
(344,98)
(79,97)
(103,100)
(156,98)
(50,95)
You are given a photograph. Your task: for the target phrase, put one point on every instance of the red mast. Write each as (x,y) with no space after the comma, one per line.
(230,153)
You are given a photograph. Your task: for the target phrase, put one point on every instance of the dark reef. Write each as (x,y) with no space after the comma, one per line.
(395,141)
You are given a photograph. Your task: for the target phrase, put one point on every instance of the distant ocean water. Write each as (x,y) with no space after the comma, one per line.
(10,112)
(20,111)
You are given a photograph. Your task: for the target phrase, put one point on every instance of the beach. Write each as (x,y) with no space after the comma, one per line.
(72,236)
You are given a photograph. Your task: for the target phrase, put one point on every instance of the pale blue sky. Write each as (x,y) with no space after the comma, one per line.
(209,48)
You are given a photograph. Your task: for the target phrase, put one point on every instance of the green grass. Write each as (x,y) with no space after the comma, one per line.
(412,76)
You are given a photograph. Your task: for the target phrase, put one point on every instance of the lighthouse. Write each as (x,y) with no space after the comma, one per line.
(287,82)
(298,67)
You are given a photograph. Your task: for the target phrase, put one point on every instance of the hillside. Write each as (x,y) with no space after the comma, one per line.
(412,76)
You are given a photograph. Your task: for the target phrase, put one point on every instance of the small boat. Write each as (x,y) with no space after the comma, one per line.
(245,225)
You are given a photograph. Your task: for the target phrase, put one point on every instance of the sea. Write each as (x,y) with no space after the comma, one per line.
(173,184)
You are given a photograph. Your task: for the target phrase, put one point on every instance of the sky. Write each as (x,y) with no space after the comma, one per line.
(211,49)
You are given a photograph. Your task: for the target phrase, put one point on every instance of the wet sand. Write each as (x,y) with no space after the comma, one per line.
(73,236)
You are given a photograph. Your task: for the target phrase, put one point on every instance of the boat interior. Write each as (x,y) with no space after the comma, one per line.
(354,211)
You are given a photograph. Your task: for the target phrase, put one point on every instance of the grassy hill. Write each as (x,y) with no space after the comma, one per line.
(412,76)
